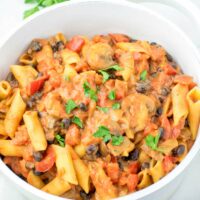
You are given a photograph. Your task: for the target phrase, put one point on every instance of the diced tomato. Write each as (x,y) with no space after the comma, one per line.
(47,162)
(167,127)
(176,130)
(119,37)
(168,163)
(169,70)
(132,181)
(112,170)
(133,167)
(76,44)
(149,128)
(119,94)
(73,136)
(36,85)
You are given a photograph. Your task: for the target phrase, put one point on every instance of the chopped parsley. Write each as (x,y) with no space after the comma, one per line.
(104,133)
(112,95)
(104,109)
(92,94)
(143,75)
(116,106)
(152,142)
(60,140)
(106,75)
(70,105)
(76,120)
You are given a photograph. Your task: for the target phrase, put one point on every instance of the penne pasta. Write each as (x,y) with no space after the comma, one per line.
(23,74)
(57,186)
(156,170)
(14,114)
(35,130)
(34,180)
(2,128)
(7,148)
(180,107)
(5,89)
(144,179)
(193,99)
(64,164)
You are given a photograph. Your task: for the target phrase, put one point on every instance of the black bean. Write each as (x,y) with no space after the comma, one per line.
(161,99)
(159,111)
(145,165)
(65,123)
(142,86)
(35,46)
(92,149)
(29,165)
(98,154)
(161,132)
(58,46)
(153,43)
(83,107)
(113,76)
(186,123)
(85,196)
(37,173)
(164,91)
(178,151)
(134,155)
(169,57)
(37,156)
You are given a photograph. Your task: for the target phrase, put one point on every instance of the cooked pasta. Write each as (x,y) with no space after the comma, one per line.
(96,118)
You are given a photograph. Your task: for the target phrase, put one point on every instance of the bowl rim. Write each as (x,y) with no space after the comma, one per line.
(138,194)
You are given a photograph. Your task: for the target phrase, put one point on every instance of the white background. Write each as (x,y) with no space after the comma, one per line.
(11,16)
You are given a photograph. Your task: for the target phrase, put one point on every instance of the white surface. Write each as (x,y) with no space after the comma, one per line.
(190,186)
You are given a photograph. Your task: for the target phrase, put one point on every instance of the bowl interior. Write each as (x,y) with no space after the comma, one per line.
(92,17)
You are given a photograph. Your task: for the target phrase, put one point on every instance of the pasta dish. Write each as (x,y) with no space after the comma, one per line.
(96,118)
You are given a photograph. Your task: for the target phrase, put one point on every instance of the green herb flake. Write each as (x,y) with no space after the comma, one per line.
(104,109)
(76,120)
(115,67)
(112,95)
(152,142)
(116,106)
(60,140)
(105,75)
(31,11)
(104,133)
(117,140)
(70,105)
(47,3)
(143,75)
(92,94)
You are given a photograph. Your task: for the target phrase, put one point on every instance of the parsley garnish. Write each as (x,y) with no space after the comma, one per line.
(112,95)
(152,142)
(116,106)
(70,105)
(60,140)
(92,94)
(117,140)
(104,109)
(143,75)
(77,121)
(39,5)
(106,75)
(104,133)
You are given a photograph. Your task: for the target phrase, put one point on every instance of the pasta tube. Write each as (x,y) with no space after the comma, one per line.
(180,107)
(5,89)
(24,74)
(57,186)
(14,114)
(7,148)
(2,129)
(35,130)
(193,99)
(64,164)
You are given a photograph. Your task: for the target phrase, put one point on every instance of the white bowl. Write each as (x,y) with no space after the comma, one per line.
(91,17)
